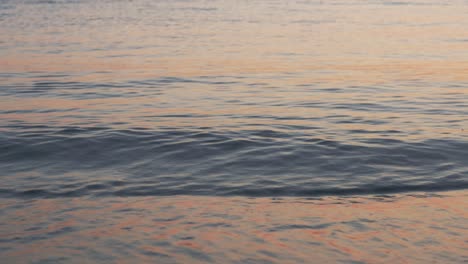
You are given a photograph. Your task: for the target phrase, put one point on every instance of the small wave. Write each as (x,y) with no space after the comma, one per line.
(45,161)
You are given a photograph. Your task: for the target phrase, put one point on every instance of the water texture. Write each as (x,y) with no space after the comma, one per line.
(256,98)
(188,229)
(233,131)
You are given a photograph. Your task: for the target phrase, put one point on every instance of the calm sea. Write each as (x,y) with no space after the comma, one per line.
(173,100)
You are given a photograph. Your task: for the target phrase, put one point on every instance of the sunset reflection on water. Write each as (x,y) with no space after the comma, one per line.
(417,228)
(233,131)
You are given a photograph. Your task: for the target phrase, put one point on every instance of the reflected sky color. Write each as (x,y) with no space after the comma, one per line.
(286,53)
(135,131)
(196,38)
(417,228)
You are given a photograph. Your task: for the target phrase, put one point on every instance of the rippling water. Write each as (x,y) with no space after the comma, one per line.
(188,229)
(232,98)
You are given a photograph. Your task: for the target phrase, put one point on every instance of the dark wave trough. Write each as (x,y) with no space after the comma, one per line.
(75,161)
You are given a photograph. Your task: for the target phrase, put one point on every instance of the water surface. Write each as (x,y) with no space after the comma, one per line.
(103,100)
(416,228)
(232,97)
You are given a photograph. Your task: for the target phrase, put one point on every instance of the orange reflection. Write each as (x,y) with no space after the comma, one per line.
(400,228)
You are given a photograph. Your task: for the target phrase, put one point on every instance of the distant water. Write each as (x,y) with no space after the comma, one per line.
(256,98)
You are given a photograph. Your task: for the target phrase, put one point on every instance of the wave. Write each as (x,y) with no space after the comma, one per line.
(46,161)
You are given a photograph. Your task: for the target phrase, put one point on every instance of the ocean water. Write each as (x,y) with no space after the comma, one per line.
(223,99)
(412,228)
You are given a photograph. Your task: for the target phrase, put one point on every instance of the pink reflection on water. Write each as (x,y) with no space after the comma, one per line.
(404,229)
